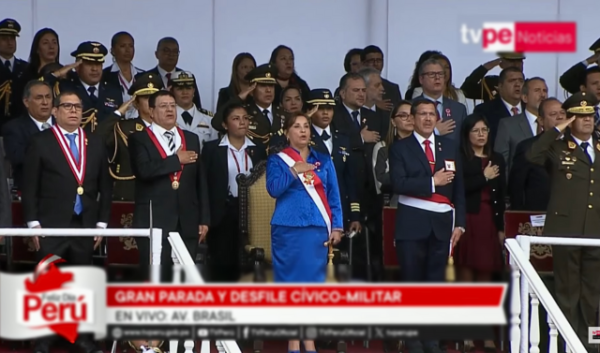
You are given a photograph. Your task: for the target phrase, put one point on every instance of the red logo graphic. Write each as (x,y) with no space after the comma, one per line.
(48,304)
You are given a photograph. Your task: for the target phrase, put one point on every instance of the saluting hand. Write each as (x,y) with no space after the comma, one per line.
(62,73)
(563,126)
(186,157)
(244,94)
(312,111)
(125,106)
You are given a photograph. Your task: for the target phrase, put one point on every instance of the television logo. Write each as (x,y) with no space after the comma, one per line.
(532,37)
(594,335)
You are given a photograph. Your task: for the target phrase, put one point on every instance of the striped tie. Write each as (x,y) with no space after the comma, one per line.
(171,138)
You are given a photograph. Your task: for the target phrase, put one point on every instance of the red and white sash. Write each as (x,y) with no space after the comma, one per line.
(177,175)
(78,169)
(313,184)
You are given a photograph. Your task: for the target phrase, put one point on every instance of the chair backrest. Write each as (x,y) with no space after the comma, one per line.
(256,209)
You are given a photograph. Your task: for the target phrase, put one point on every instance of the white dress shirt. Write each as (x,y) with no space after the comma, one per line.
(439,108)
(421,140)
(33,224)
(86,86)
(329,142)
(40,123)
(533,124)
(509,107)
(590,147)
(350,110)
(163,74)
(270,109)
(236,159)
(11,61)
(200,126)
(159,132)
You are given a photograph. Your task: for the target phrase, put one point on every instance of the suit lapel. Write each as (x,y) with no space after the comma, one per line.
(576,149)
(524,125)
(318,141)
(438,152)
(30,127)
(501,107)
(223,158)
(418,151)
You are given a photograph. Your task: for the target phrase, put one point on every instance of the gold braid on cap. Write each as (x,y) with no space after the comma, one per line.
(584,110)
(5,93)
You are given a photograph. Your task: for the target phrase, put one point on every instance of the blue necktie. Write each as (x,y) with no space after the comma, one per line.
(73,145)
(355,118)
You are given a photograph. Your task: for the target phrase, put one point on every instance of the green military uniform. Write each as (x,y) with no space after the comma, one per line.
(478,86)
(572,79)
(117,130)
(261,127)
(574,211)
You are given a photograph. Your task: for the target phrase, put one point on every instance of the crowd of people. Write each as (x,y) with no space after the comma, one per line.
(80,136)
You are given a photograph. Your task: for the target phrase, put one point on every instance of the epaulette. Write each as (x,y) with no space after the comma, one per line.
(280,132)
(206,112)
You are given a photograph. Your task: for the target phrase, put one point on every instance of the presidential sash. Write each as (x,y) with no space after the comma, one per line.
(77,167)
(175,177)
(312,183)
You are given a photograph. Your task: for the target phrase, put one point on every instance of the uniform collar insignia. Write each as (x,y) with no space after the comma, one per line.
(139,127)
(572,145)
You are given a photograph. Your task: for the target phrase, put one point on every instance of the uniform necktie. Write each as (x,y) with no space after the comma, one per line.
(325,136)
(75,151)
(514,111)
(266,114)
(355,118)
(187,117)
(539,127)
(45,126)
(7,65)
(584,146)
(92,92)
(429,154)
(171,139)
(168,76)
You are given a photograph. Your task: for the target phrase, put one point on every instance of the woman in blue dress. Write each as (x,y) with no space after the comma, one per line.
(308,211)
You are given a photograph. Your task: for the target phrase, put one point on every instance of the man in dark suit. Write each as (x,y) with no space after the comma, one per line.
(576,76)
(100,99)
(478,86)
(168,175)
(37,98)
(364,130)
(506,103)
(426,174)
(528,183)
(374,94)
(451,113)
(66,185)
(372,56)
(167,54)
(574,164)
(12,72)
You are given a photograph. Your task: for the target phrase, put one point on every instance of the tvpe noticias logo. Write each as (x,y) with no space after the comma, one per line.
(532,37)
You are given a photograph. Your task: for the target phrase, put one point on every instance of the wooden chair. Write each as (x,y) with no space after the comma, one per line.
(256,210)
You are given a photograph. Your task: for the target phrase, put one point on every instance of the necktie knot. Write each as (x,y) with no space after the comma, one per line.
(427,143)
(266,112)
(171,140)
(325,136)
(187,117)
(7,64)
(45,126)
(514,110)
(355,114)
(169,134)
(71,137)
(168,76)
(585,145)
(92,91)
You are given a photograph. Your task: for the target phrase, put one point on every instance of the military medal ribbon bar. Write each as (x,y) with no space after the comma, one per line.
(175,177)
(77,167)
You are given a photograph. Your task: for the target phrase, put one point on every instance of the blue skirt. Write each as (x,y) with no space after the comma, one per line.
(299,254)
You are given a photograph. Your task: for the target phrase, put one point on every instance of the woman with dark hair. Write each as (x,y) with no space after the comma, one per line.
(226,158)
(414,79)
(450,91)
(122,72)
(282,58)
(308,211)
(45,49)
(243,63)
(291,99)
(478,254)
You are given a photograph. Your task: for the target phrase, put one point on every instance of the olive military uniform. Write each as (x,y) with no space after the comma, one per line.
(478,86)
(117,130)
(262,124)
(573,211)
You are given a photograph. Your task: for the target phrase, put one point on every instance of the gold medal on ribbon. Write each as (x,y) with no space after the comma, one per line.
(80,190)
(175,185)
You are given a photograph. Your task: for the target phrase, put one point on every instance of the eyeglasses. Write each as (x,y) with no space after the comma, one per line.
(70,106)
(402,116)
(440,74)
(170,52)
(374,61)
(482,131)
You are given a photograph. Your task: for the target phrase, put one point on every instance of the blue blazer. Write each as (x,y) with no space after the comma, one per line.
(411,176)
(294,207)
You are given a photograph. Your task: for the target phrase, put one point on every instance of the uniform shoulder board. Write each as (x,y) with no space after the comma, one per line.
(280,132)
(206,112)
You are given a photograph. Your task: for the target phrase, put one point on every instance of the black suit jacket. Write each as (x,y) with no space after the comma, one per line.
(215,159)
(17,134)
(475,182)
(494,110)
(49,187)
(16,79)
(185,208)
(197,99)
(528,183)
(392,91)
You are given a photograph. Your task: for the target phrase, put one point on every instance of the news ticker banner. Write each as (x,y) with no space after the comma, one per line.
(306,332)
(74,300)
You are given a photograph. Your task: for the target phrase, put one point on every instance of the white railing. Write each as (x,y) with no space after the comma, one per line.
(528,291)
(183,261)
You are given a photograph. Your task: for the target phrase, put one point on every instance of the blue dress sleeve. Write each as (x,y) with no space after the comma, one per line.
(279,176)
(333,197)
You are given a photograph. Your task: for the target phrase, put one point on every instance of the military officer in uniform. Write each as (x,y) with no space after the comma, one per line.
(117,129)
(12,72)
(100,99)
(575,77)
(478,86)
(189,116)
(574,166)
(265,118)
